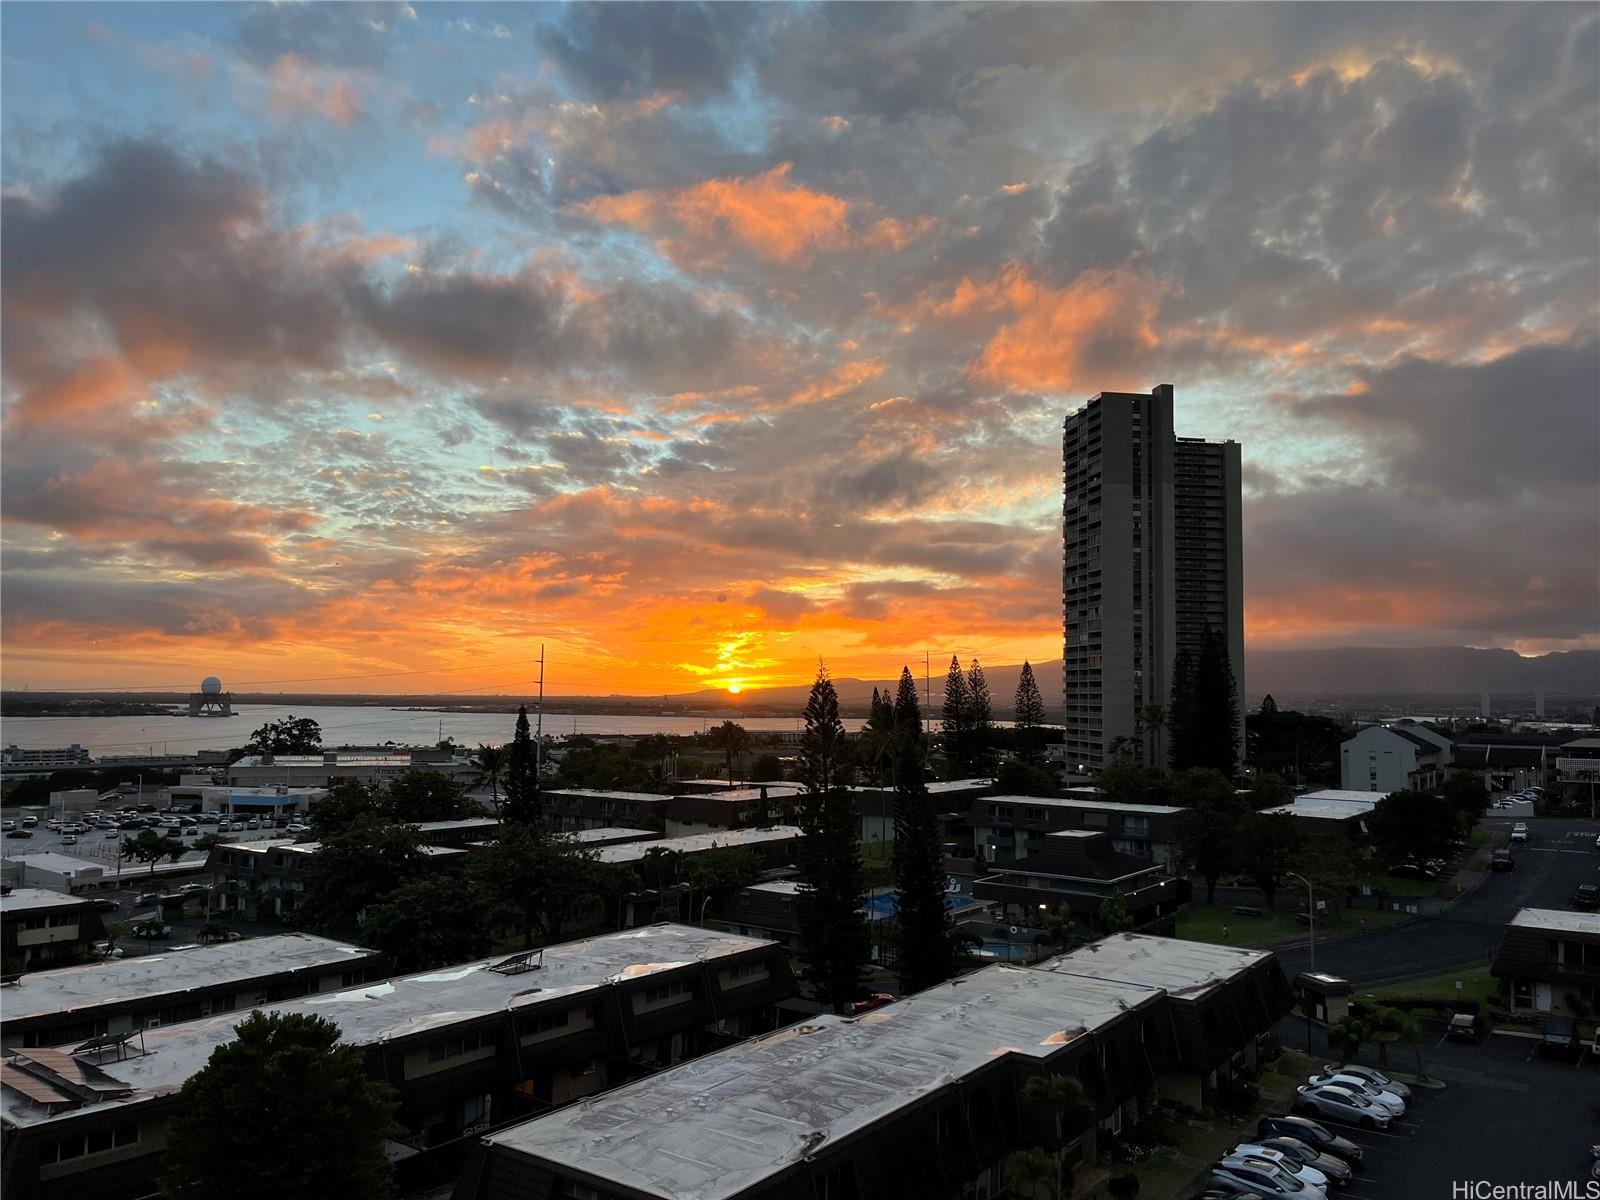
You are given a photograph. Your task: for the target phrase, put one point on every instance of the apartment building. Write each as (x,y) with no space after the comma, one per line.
(1386,759)
(1081,869)
(1153,555)
(74,1004)
(1548,963)
(40,928)
(469,1050)
(1006,828)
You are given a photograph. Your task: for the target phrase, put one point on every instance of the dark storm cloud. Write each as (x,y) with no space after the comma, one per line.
(616,48)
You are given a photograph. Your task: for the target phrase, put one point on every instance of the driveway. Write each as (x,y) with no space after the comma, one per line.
(1549,868)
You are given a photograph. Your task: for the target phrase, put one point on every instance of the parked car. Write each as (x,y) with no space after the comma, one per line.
(1336,1169)
(151,930)
(299,827)
(1265,1178)
(252,823)
(1587,897)
(1371,1075)
(1467,1027)
(7,826)
(69,839)
(1380,1096)
(1519,832)
(30,822)
(108,950)
(1284,1162)
(1340,1104)
(1501,860)
(1311,1132)
(189,889)
(1559,1039)
(19,833)
(146,899)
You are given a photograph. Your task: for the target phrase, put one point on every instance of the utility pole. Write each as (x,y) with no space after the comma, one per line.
(538,736)
(927,685)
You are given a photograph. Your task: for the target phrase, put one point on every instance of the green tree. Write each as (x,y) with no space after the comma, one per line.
(533,880)
(149,847)
(1032,1173)
(1113,916)
(1124,783)
(359,867)
(1331,862)
(1028,714)
(835,941)
(346,803)
(429,923)
(1151,720)
(1059,925)
(425,796)
(732,740)
(1209,835)
(1215,719)
(1017,778)
(283,1112)
(1468,797)
(1269,791)
(1348,1035)
(1063,1102)
(1268,849)
(1182,730)
(1391,1025)
(291,735)
(522,782)
(211,931)
(924,931)
(982,717)
(956,721)
(1412,825)
(877,739)
(491,772)
(1201,785)
(766,769)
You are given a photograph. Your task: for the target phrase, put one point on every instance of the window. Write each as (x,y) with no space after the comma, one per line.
(583,1069)
(457,1046)
(549,1021)
(95,1141)
(747,970)
(665,991)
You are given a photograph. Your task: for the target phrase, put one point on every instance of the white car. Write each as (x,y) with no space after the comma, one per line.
(298,827)
(252,824)
(1302,1172)
(1371,1075)
(1519,832)
(1341,1104)
(1265,1178)
(1380,1096)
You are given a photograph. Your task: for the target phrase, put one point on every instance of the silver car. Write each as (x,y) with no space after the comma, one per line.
(1266,1178)
(1381,1096)
(1371,1075)
(1340,1104)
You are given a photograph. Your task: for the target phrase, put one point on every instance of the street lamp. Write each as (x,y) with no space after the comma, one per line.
(1311,913)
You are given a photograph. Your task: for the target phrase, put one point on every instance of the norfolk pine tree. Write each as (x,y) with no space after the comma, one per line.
(982,715)
(1215,718)
(926,935)
(956,723)
(834,938)
(522,796)
(1029,712)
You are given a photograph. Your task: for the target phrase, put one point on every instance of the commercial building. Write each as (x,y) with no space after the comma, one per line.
(1224,1003)
(1549,963)
(335,766)
(919,1098)
(1393,759)
(468,1049)
(1081,869)
(1006,828)
(40,928)
(79,876)
(18,762)
(74,1004)
(201,795)
(1152,535)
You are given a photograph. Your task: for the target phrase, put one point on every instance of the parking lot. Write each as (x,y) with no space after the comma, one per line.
(1505,1116)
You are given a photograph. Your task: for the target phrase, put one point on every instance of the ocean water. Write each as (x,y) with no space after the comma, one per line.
(364,725)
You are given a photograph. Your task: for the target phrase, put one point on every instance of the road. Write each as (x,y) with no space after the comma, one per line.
(1561,855)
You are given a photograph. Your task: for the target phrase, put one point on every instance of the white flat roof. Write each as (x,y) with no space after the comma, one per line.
(29,899)
(374,1013)
(715,1127)
(778,887)
(936,786)
(613,833)
(149,977)
(1188,969)
(61,864)
(1097,805)
(463,823)
(598,794)
(1557,921)
(694,843)
(1341,796)
(1333,810)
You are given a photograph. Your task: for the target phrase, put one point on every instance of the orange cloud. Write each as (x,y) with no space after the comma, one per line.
(1053,332)
(768,215)
(296,87)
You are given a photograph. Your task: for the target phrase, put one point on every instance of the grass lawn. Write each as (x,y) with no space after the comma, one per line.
(1207,923)
(1476,984)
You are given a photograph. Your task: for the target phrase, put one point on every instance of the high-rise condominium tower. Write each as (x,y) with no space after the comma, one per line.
(1152,534)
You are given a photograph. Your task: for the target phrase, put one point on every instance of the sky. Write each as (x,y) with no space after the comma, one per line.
(370,346)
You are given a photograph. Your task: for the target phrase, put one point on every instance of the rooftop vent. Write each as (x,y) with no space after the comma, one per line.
(517,964)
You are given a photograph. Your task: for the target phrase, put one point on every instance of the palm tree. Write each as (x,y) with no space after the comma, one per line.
(1063,1099)
(491,770)
(1028,1170)
(1348,1035)
(1152,718)
(732,740)
(1396,1025)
